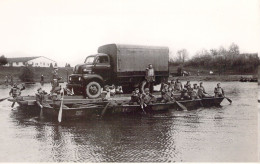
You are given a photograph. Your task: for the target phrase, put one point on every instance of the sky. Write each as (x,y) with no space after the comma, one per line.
(67,31)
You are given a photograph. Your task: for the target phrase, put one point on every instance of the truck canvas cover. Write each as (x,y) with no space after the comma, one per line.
(133,58)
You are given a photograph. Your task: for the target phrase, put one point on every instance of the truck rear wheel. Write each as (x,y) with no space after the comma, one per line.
(93,90)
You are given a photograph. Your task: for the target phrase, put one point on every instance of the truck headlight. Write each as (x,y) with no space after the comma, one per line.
(79,78)
(70,78)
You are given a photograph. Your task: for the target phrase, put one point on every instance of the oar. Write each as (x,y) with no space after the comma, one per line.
(13,104)
(104,110)
(230,101)
(181,106)
(4,99)
(60,111)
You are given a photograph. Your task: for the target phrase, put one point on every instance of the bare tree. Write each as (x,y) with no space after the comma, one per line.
(182,55)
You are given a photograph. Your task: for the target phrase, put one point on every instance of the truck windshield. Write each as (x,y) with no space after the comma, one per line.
(89,60)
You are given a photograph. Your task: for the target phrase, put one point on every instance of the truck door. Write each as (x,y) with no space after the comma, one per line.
(102,66)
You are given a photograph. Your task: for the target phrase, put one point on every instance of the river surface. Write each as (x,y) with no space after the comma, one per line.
(218,134)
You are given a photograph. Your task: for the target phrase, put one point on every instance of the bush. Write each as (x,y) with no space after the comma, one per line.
(3,60)
(27,74)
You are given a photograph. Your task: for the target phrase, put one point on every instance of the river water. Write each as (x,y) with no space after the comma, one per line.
(218,134)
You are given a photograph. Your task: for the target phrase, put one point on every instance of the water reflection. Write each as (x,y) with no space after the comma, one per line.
(227,133)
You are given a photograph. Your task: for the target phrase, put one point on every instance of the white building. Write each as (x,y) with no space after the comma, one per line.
(37,61)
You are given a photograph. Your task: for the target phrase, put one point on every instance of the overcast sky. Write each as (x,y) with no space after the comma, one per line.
(68,31)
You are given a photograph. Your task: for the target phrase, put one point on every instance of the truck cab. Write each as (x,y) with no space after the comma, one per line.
(89,77)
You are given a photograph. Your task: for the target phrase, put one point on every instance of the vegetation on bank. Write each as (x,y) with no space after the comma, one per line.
(220,61)
(32,74)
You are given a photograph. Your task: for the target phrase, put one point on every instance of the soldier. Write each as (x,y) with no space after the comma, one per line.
(184,95)
(16,91)
(55,81)
(187,84)
(106,93)
(42,78)
(150,77)
(6,80)
(168,96)
(194,94)
(136,97)
(147,97)
(40,97)
(67,91)
(172,84)
(11,80)
(201,91)
(219,92)
(178,85)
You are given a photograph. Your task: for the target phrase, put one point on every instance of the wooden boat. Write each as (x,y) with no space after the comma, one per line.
(80,110)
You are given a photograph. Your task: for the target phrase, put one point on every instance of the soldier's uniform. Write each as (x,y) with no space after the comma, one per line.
(16,91)
(219,92)
(147,97)
(150,77)
(185,95)
(178,86)
(135,97)
(55,82)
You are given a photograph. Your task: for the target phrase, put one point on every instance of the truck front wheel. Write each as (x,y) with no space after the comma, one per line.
(93,90)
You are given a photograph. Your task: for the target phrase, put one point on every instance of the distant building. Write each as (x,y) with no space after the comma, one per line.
(36,61)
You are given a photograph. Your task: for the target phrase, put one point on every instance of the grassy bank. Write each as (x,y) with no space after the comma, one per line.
(46,72)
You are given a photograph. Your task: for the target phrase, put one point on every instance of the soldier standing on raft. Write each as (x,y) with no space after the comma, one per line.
(55,81)
(16,91)
(40,97)
(150,77)
(219,92)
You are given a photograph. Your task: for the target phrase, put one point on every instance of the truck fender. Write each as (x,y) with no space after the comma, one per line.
(93,77)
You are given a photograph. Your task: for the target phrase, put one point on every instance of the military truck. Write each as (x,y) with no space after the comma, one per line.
(121,65)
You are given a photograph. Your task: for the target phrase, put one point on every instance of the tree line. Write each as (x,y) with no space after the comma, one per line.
(220,59)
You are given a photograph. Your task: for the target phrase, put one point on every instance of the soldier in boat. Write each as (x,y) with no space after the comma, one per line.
(201,91)
(164,82)
(147,97)
(106,95)
(219,92)
(185,95)
(178,85)
(150,77)
(194,93)
(67,91)
(187,84)
(41,97)
(172,84)
(168,96)
(16,91)
(135,97)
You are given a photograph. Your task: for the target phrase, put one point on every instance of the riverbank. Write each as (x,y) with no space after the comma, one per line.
(219,78)
(15,72)
(63,72)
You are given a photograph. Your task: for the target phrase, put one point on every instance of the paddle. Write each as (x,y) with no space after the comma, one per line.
(60,111)
(181,106)
(13,104)
(4,99)
(230,101)
(104,110)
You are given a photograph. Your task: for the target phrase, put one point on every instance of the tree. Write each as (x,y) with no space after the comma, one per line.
(51,66)
(55,64)
(233,50)
(3,60)
(182,55)
(27,74)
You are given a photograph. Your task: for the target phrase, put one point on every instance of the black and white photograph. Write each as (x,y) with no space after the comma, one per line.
(92,81)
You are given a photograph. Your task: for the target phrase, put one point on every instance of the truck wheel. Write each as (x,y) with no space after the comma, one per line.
(93,90)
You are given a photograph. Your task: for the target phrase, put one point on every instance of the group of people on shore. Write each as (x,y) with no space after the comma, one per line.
(9,80)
